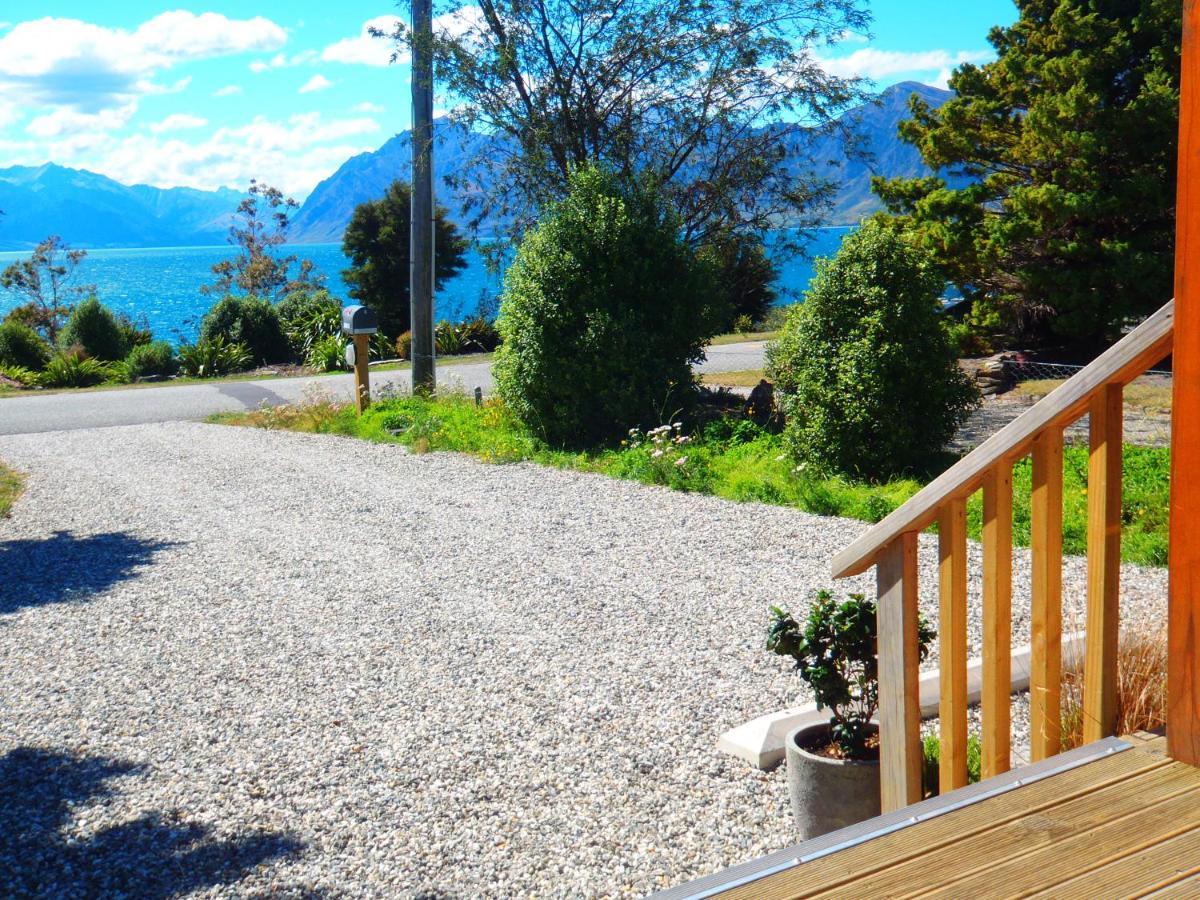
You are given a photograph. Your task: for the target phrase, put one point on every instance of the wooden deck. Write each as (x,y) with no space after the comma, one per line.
(1125,823)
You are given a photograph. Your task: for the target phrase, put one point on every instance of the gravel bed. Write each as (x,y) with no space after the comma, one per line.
(238,661)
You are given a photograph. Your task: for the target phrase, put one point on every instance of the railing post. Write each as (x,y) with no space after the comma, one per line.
(899,675)
(1183,628)
(997,619)
(1045,675)
(1104,563)
(952,642)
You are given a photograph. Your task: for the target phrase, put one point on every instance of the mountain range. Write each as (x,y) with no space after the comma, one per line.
(92,210)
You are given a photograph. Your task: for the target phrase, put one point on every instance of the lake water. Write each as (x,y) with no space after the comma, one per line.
(163,284)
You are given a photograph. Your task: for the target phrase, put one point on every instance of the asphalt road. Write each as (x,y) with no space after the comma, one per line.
(70,410)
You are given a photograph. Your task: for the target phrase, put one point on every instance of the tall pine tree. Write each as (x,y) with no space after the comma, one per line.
(1063,227)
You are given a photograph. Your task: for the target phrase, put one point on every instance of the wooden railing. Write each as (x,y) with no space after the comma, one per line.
(891,546)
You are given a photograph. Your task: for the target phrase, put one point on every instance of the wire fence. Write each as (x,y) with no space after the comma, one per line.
(1027,370)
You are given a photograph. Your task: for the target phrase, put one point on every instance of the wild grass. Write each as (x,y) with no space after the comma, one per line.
(735,460)
(1141,687)
(12,483)
(737,378)
(1149,395)
(742,337)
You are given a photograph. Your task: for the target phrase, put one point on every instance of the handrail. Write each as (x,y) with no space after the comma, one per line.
(1121,363)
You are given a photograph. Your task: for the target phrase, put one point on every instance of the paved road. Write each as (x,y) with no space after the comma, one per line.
(32,413)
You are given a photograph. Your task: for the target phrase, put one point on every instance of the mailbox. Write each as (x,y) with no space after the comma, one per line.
(359,320)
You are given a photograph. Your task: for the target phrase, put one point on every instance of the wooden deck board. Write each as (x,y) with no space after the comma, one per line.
(1126,824)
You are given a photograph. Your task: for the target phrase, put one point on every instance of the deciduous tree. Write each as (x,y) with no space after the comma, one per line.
(45,281)
(259,230)
(714,99)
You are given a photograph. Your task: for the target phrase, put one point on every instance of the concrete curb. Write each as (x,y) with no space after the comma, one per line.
(760,741)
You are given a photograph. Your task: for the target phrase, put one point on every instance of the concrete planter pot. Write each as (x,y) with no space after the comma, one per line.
(828,794)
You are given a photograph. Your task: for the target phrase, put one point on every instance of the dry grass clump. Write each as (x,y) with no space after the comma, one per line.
(1141,687)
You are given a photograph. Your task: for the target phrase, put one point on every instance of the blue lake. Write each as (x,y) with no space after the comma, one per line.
(163,284)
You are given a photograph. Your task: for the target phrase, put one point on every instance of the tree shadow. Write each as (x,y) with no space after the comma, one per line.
(68,568)
(249,394)
(155,855)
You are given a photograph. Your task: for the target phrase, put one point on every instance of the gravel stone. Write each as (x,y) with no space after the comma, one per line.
(238,661)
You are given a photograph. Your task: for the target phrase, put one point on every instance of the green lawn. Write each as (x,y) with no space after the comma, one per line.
(730,459)
(12,483)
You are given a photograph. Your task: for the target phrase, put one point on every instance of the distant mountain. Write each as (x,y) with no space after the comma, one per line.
(91,210)
(325,214)
(876,126)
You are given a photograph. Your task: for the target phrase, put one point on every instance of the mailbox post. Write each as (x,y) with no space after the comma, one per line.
(360,323)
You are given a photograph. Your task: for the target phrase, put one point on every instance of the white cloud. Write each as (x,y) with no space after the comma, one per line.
(368,107)
(69,62)
(316,83)
(228,91)
(66,122)
(872,63)
(851,37)
(293,154)
(178,122)
(364,49)
(377,51)
(283,61)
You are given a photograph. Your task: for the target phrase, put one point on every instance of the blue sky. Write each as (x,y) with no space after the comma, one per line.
(212,95)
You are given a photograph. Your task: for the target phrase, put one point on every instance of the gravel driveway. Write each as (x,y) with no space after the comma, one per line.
(237,661)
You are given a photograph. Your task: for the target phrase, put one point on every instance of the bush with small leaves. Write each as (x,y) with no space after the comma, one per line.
(156,359)
(249,321)
(21,346)
(868,382)
(95,329)
(404,345)
(605,309)
(834,651)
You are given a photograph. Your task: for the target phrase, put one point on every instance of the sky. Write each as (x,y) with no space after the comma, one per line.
(285,91)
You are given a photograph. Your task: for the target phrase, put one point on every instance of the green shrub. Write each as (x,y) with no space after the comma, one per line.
(327,354)
(605,309)
(404,345)
(447,340)
(71,369)
(157,358)
(212,357)
(135,333)
(19,374)
(94,328)
(867,380)
(931,751)
(308,317)
(479,334)
(249,321)
(21,346)
(834,652)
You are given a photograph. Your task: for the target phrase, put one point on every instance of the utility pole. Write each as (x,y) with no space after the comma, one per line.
(420,283)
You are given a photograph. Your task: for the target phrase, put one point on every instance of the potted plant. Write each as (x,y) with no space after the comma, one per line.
(833,768)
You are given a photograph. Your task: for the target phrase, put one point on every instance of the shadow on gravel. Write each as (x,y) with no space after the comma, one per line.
(68,568)
(154,855)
